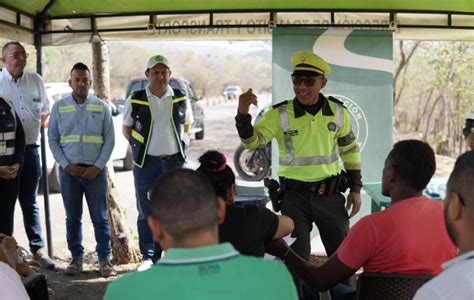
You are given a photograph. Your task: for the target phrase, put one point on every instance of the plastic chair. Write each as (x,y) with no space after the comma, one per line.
(376,286)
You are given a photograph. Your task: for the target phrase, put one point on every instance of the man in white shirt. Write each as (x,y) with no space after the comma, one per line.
(457,279)
(27,93)
(154,123)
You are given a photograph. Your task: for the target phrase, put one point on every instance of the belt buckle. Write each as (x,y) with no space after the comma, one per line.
(322,189)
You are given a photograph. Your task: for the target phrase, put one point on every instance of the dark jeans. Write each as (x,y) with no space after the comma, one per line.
(145,177)
(327,212)
(29,182)
(72,189)
(9,193)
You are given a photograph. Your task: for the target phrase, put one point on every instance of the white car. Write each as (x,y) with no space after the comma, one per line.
(122,151)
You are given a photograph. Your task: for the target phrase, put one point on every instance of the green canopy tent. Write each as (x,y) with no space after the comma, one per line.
(59,22)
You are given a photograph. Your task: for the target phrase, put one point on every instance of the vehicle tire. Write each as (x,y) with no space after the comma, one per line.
(251,164)
(200,135)
(128,160)
(53,179)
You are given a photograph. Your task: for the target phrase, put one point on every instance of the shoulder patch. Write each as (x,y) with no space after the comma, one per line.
(279,104)
(331,98)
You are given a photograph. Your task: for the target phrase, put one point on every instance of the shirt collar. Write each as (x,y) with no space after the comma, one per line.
(169,92)
(299,109)
(179,256)
(10,77)
(460,258)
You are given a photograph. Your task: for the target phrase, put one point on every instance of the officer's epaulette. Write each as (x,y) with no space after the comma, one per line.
(279,104)
(331,98)
(178,93)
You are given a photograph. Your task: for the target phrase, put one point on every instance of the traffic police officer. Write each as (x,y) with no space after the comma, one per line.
(468,130)
(313,132)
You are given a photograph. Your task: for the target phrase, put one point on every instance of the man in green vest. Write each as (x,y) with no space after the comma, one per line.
(313,132)
(154,123)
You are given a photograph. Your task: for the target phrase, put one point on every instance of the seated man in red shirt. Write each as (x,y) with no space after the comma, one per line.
(409,237)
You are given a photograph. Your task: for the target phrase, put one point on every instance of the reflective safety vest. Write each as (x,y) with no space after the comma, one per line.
(143,123)
(309,146)
(8,124)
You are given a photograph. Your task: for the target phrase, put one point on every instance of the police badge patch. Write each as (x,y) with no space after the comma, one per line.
(332,126)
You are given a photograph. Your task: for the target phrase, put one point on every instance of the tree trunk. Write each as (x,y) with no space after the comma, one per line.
(122,249)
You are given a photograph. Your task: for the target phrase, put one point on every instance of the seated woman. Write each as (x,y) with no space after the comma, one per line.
(246,227)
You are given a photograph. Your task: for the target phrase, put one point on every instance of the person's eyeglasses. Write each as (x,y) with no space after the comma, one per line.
(308,81)
(18,55)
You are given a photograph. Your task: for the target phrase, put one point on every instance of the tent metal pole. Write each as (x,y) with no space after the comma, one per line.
(39,69)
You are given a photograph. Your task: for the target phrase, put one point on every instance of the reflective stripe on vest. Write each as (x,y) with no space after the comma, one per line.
(138,136)
(140,102)
(178,99)
(95,107)
(7,136)
(291,160)
(66,109)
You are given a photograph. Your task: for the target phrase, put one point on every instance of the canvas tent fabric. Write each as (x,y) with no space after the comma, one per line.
(73,21)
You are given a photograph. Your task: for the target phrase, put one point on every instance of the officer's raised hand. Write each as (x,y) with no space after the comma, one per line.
(245,100)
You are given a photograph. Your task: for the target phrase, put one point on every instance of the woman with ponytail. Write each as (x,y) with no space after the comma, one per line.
(246,227)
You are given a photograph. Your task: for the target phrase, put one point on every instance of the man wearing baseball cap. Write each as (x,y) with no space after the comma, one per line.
(313,132)
(156,139)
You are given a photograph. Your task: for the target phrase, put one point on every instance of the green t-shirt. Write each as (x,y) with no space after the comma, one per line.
(212,272)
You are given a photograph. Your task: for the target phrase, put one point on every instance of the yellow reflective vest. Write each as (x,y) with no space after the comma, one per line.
(309,146)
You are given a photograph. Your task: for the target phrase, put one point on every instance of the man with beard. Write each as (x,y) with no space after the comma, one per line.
(409,237)
(81,138)
(457,279)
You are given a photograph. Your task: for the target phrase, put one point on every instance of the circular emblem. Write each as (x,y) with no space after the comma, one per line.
(303,58)
(359,123)
(138,125)
(332,126)
(159,58)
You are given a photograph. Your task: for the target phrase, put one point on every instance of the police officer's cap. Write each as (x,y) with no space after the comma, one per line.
(306,63)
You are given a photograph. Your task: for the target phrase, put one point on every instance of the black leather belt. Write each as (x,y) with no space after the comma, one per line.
(325,187)
(162,157)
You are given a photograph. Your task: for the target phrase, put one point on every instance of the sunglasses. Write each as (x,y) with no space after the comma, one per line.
(308,81)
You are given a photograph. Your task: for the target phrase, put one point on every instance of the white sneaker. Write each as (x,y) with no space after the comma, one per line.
(145,265)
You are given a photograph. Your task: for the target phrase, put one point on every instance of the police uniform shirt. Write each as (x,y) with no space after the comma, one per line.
(162,141)
(29,98)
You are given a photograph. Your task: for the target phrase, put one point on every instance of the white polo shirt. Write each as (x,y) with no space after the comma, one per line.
(163,140)
(456,282)
(29,98)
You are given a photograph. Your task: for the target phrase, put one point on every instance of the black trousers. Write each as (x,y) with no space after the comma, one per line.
(327,212)
(8,195)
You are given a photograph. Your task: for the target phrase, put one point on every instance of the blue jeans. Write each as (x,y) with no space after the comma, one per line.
(29,182)
(72,189)
(145,177)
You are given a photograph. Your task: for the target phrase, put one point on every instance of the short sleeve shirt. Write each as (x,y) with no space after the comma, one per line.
(29,98)
(247,228)
(409,238)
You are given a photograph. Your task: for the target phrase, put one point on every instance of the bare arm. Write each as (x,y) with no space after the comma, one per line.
(127,132)
(285,227)
(334,271)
